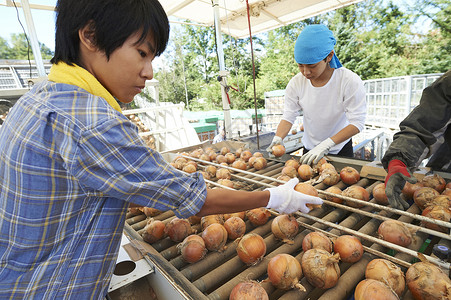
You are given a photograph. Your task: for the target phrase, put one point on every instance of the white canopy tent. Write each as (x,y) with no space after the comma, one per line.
(228,16)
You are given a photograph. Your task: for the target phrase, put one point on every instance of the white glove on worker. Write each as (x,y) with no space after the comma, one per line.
(277,140)
(314,155)
(286,200)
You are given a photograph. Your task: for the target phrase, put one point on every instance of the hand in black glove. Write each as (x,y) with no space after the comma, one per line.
(396,178)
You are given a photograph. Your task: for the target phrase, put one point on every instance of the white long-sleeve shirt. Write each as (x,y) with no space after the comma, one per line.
(327,109)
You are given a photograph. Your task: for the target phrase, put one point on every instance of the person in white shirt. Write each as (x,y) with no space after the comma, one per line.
(331,97)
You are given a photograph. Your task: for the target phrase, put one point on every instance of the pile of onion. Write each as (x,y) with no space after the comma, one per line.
(189,168)
(235,227)
(178,229)
(434,181)
(305,172)
(349,247)
(230,158)
(357,192)
(437,212)
(245,155)
(211,170)
(330,176)
(292,162)
(423,196)
(317,240)
(239,164)
(153,231)
(251,249)
(427,281)
(387,272)
(258,216)
(395,232)
(192,248)
(379,194)
(441,200)
(334,190)
(278,150)
(321,268)
(215,237)
(284,272)
(248,290)
(289,171)
(349,175)
(410,188)
(224,150)
(260,163)
(221,159)
(374,290)
(211,219)
(285,228)
(223,173)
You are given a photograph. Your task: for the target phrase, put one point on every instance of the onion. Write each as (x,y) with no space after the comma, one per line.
(278,150)
(379,194)
(178,229)
(387,272)
(357,192)
(260,163)
(374,290)
(292,162)
(212,155)
(330,176)
(205,175)
(427,281)
(239,164)
(326,166)
(447,192)
(305,172)
(258,216)
(289,171)
(215,237)
(153,231)
(349,175)
(134,211)
(448,185)
(308,189)
(251,249)
(334,190)
(349,247)
(224,150)
(189,168)
(211,170)
(230,157)
(321,268)
(196,153)
(238,152)
(235,227)
(284,178)
(316,240)
(245,155)
(205,157)
(221,159)
(441,200)
(180,162)
(318,165)
(258,154)
(410,188)
(251,161)
(226,182)
(439,213)
(423,196)
(248,290)
(193,220)
(434,181)
(285,228)
(395,232)
(211,219)
(223,173)
(192,248)
(150,211)
(241,214)
(284,272)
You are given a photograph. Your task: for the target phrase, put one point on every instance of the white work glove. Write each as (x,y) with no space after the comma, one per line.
(286,200)
(277,140)
(314,155)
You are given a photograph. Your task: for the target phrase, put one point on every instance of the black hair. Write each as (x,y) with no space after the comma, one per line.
(113,21)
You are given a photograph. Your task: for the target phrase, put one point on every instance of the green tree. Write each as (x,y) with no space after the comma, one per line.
(20,48)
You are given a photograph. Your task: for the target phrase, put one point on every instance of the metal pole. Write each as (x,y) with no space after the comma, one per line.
(33,38)
(222,73)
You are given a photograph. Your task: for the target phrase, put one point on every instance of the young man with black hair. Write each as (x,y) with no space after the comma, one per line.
(71,163)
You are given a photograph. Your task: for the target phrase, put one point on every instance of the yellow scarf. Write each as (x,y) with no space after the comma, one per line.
(75,75)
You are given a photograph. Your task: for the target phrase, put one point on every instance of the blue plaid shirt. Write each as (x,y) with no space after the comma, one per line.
(69,166)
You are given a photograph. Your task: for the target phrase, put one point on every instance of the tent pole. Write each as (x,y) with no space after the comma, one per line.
(222,73)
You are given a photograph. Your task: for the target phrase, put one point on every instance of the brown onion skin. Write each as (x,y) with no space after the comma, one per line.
(306,188)
(239,164)
(441,200)
(410,188)
(284,271)
(215,237)
(379,194)
(387,272)
(357,192)
(293,162)
(317,240)
(248,290)
(448,185)
(241,214)
(349,175)
(395,232)
(317,167)
(153,231)
(278,150)
(258,216)
(434,181)
(331,176)
(289,171)
(447,192)
(305,172)
(349,247)
(210,219)
(439,213)
(321,268)
(246,155)
(223,174)
(260,163)
(235,227)
(192,248)
(374,290)
(427,281)
(285,228)
(423,196)
(178,229)
(251,249)
(224,150)
(334,190)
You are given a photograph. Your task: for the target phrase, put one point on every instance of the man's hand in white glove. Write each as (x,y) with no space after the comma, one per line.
(277,140)
(314,155)
(286,200)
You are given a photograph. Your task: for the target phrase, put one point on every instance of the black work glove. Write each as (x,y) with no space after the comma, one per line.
(398,174)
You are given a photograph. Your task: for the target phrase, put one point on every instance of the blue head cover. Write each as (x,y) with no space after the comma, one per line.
(313,45)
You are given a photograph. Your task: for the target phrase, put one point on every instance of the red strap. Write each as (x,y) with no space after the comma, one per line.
(396,166)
